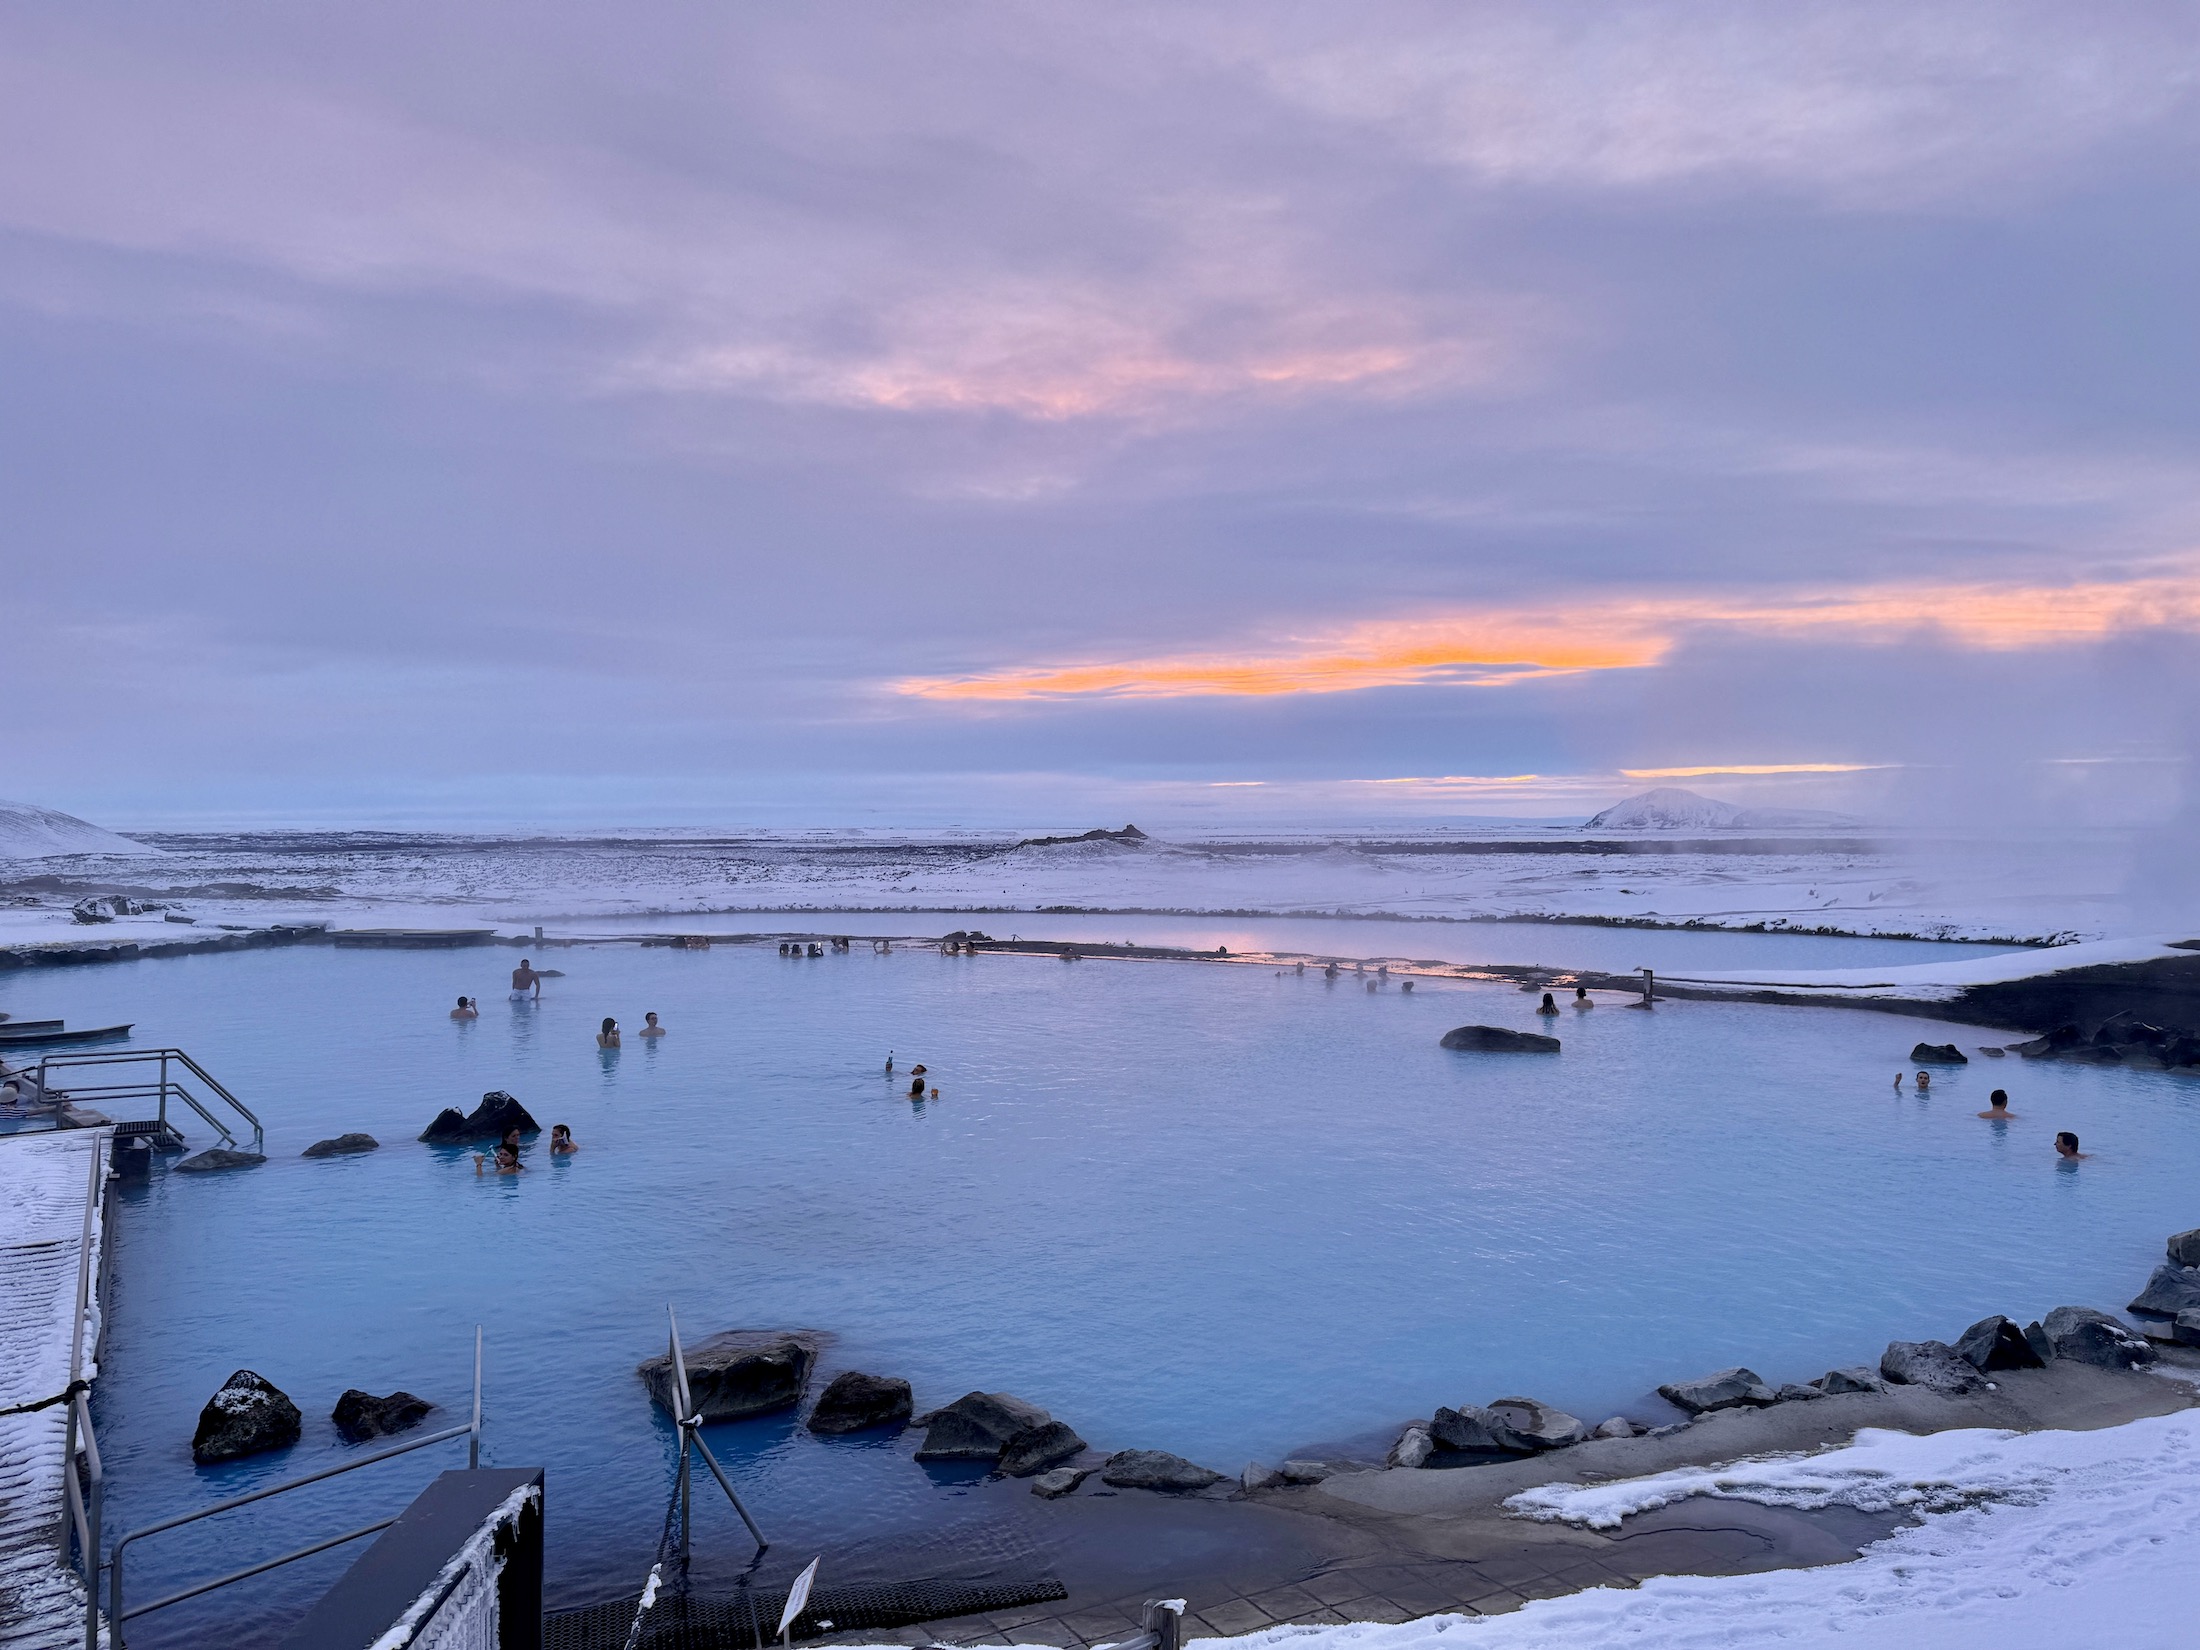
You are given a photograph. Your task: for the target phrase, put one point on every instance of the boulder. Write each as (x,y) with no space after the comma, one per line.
(2184,1249)
(2181,1051)
(1303,1470)
(361,1415)
(1938,1054)
(1258,1476)
(1537,1425)
(1933,1365)
(1789,1392)
(1617,1427)
(1856,1378)
(1035,1449)
(1497,1040)
(1996,1343)
(855,1402)
(1413,1448)
(1474,1429)
(2185,1327)
(2059,1041)
(249,1415)
(737,1373)
(2170,1291)
(342,1145)
(1156,1469)
(496,1116)
(977,1427)
(2085,1336)
(218,1157)
(1724,1389)
(1060,1482)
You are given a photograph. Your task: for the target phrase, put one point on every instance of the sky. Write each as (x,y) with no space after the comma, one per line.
(1057,414)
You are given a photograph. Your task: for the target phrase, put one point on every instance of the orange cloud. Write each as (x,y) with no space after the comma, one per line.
(1498,647)
(1752,767)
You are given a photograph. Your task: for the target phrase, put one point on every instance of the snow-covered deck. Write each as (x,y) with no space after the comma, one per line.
(44,1181)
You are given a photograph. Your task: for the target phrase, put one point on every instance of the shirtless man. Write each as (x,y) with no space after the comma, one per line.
(465,1010)
(525,981)
(650,1027)
(1997,1107)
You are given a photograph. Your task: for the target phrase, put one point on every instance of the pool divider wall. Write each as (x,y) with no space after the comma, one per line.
(467,1551)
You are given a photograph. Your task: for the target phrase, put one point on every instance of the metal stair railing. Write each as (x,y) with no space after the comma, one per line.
(81,1504)
(167,1086)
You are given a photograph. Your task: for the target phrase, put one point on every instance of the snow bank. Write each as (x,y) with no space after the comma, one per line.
(1939,981)
(29,832)
(1669,808)
(2030,1541)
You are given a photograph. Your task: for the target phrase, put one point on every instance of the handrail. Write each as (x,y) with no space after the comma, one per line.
(117,1614)
(165,1086)
(81,1508)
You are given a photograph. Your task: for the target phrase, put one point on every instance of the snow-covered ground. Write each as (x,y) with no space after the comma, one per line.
(2029,1541)
(2044,888)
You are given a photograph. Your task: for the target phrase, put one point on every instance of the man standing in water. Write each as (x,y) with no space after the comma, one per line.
(526,981)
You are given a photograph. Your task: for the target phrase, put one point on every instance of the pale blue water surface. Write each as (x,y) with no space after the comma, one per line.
(1194,1207)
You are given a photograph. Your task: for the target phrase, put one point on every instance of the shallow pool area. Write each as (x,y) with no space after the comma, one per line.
(1194,1207)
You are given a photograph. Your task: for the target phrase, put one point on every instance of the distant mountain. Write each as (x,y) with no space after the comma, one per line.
(1669,808)
(1129,833)
(28,832)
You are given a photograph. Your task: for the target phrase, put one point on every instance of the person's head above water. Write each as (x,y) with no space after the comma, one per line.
(1999,1099)
(2066,1145)
(609,1025)
(916,1089)
(650,1018)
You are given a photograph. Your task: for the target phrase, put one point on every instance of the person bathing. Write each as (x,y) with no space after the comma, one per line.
(609,1036)
(526,982)
(465,1010)
(1997,1107)
(650,1027)
(561,1141)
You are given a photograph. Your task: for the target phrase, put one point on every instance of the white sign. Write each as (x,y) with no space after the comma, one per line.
(798,1597)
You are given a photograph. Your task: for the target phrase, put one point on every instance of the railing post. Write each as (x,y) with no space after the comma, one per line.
(1165,1621)
(93,1507)
(473,1438)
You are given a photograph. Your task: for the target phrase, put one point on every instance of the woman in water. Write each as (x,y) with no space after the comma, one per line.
(916,1089)
(507,1161)
(465,1010)
(650,1027)
(2066,1148)
(1997,1107)
(561,1141)
(1582,999)
(1550,1004)
(609,1036)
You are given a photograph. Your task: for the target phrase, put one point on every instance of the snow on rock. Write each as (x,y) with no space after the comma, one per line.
(31,832)
(1669,808)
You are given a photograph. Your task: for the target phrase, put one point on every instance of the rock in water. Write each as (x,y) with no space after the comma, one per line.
(342,1145)
(249,1415)
(855,1402)
(495,1117)
(1413,1448)
(1617,1427)
(1060,1482)
(1298,1470)
(1996,1343)
(1791,1393)
(2035,1337)
(2185,1327)
(1260,1477)
(737,1373)
(1035,1449)
(1473,1429)
(1933,1365)
(1155,1469)
(1726,1389)
(1497,1040)
(978,1427)
(2170,1291)
(1538,1426)
(2184,1249)
(218,1157)
(1856,1378)
(1937,1054)
(2085,1336)
(360,1415)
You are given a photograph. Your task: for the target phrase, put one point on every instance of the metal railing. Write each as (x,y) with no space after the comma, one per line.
(173,1065)
(118,1611)
(82,1504)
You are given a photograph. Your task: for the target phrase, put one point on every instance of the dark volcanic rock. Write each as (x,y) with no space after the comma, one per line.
(1497,1040)
(1938,1054)
(361,1415)
(1790,1393)
(1857,1378)
(1934,1365)
(1726,1389)
(1539,1426)
(2061,1040)
(1037,1448)
(497,1114)
(854,1402)
(1060,1482)
(218,1157)
(249,1415)
(978,1426)
(2184,1249)
(1155,1469)
(2085,1336)
(1474,1429)
(1996,1343)
(2170,1291)
(737,1373)
(342,1145)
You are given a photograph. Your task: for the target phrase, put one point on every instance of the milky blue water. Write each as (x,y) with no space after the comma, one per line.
(1194,1207)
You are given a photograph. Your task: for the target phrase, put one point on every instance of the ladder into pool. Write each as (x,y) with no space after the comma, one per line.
(220,1110)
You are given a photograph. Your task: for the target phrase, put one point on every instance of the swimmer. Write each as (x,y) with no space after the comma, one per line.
(1582,999)
(1924,1082)
(1407,986)
(917,1070)
(507,1162)
(650,1027)
(510,1142)
(2066,1148)
(1997,1107)
(1370,985)
(916,1089)
(1550,1004)
(609,1036)
(526,982)
(561,1141)
(465,1010)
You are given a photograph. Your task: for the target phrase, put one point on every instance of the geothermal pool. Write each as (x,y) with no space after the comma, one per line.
(1193,1207)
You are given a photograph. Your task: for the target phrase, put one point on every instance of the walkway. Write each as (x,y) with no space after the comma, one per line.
(43,1183)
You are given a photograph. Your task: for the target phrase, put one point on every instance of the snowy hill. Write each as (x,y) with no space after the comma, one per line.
(1669,808)
(28,832)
